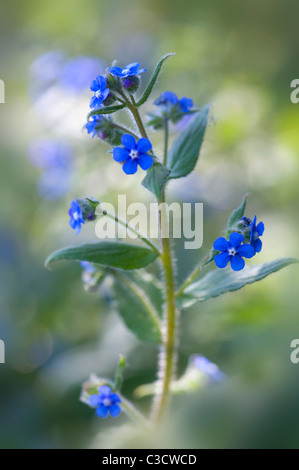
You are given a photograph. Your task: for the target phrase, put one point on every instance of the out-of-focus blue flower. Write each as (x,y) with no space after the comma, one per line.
(76,216)
(54,157)
(105,402)
(207,367)
(168,100)
(133,154)
(232,251)
(99,87)
(128,71)
(256,232)
(73,75)
(79,71)
(185,104)
(91,125)
(87,266)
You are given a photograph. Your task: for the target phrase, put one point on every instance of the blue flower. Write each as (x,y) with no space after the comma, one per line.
(133,154)
(128,71)
(256,232)
(185,104)
(105,402)
(207,367)
(232,251)
(99,86)
(76,216)
(92,124)
(168,100)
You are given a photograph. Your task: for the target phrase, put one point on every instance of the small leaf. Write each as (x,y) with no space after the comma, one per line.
(156,178)
(152,81)
(237,213)
(136,309)
(185,151)
(113,254)
(220,281)
(106,110)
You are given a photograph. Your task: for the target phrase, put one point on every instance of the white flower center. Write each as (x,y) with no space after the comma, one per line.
(107,402)
(255,235)
(76,215)
(133,154)
(98,94)
(232,251)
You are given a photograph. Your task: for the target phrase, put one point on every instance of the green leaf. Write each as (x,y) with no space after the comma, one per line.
(156,178)
(237,214)
(152,81)
(136,309)
(220,281)
(152,288)
(185,151)
(106,110)
(113,254)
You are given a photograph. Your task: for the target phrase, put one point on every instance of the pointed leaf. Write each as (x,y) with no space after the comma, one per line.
(156,178)
(136,309)
(106,110)
(113,254)
(184,153)
(220,281)
(237,213)
(152,81)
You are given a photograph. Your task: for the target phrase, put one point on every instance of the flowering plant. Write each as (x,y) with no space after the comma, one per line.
(150,306)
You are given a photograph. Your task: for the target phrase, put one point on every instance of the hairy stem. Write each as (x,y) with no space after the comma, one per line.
(166,135)
(132,229)
(168,356)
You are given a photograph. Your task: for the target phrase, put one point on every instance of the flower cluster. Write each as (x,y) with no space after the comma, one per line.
(133,154)
(54,159)
(103,86)
(105,402)
(81,211)
(235,249)
(171,108)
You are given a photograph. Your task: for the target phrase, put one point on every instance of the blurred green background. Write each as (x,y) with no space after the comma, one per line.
(242,57)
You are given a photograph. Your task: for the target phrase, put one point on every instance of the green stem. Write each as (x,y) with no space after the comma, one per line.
(125,129)
(166,136)
(133,413)
(129,227)
(134,110)
(192,276)
(167,358)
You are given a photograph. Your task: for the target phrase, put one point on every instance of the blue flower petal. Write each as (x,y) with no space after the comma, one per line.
(171,97)
(128,142)
(221,244)
(94,102)
(221,260)
(105,94)
(143,145)
(246,250)
(260,228)
(235,239)
(115,71)
(145,161)
(102,82)
(104,391)
(130,167)
(258,245)
(94,86)
(94,400)
(186,104)
(115,410)
(237,263)
(133,66)
(115,398)
(102,411)
(120,154)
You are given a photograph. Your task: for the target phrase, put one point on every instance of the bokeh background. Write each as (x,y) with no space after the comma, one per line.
(242,57)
